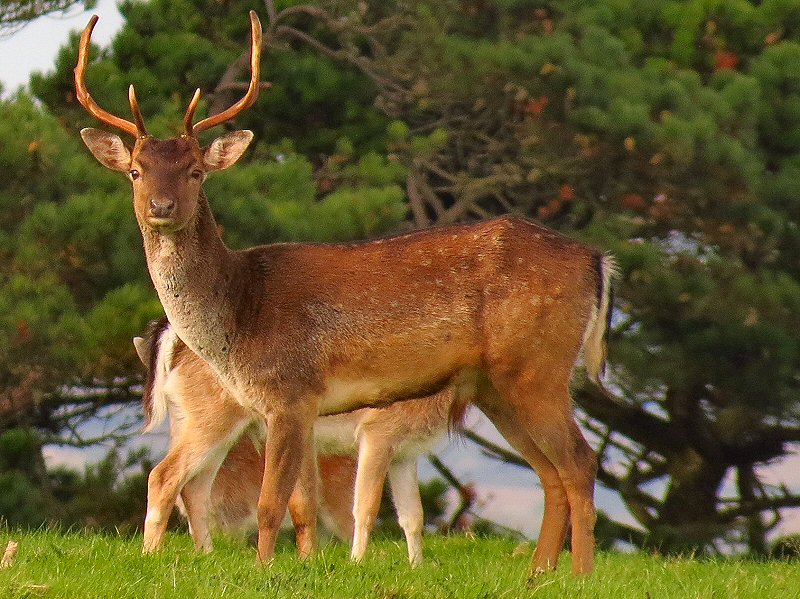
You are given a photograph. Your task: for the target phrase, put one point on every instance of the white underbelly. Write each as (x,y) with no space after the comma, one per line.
(417,445)
(339,435)
(342,395)
(336,435)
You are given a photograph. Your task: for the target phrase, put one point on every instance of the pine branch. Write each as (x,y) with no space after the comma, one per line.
(465,492)
(748,508)
(416,202)
(15,14)
(622,532)
(495,451)
(629,419)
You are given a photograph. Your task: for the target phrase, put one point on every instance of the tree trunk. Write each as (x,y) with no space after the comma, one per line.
(686,518)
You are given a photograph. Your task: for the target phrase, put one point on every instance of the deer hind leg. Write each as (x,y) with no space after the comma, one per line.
(196,497)
(544,411)
(555,520)
(559,438)
(194,451)
(289,449)
(373,463)
(580,491)
(408,504)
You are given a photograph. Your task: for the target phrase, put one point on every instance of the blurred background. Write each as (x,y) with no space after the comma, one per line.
(666,133)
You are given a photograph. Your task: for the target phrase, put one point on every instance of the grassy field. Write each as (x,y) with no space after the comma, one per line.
(83,566)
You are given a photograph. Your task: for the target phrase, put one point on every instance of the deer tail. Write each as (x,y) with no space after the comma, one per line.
(159,361)
(594,340)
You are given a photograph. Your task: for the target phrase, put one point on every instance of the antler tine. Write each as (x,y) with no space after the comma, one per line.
(82,93)
(252,91)
(137,114)
(187,120)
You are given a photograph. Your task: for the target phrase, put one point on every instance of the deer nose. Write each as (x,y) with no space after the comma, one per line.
(162,207)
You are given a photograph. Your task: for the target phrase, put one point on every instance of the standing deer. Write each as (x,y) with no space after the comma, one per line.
(500,310)
(222,486)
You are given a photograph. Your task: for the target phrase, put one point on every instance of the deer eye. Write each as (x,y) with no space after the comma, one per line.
(196,174)
(134,174)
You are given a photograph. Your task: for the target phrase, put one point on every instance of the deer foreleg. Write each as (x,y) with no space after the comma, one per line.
(337,477)
(289,436)
(199,451)
(196,496)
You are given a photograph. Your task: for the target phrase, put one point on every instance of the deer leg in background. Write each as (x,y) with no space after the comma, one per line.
(303,502)
(196,496)
(404,485)
(193,451)
(337,477)
(163,485)
(373,463)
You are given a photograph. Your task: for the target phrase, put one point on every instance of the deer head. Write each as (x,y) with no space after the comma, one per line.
(166,175)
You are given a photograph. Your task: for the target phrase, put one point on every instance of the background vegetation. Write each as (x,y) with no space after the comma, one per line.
(667,133)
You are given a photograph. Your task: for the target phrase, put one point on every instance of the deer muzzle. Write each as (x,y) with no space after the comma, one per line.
(161,208)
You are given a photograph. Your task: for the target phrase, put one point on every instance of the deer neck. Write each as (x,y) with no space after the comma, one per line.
(192,271)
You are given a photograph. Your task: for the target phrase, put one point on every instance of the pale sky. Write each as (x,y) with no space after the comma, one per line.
(34,47)
(509,495)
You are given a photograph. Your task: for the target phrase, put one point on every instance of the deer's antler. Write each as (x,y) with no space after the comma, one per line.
(136,129)
(245,102)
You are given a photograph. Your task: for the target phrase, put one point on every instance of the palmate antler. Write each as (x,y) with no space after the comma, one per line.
(137,129)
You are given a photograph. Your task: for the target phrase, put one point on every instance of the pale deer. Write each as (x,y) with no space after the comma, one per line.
(220,489)
(498,309)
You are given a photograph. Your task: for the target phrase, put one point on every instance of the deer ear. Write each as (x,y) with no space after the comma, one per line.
(226,150)
(142,350)
(108,149)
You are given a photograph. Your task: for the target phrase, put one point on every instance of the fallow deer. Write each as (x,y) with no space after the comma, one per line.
(205,421)
(498,309)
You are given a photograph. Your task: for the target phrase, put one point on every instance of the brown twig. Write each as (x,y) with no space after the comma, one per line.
(416,202)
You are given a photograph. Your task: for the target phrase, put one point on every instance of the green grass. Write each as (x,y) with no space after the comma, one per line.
(84,565)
